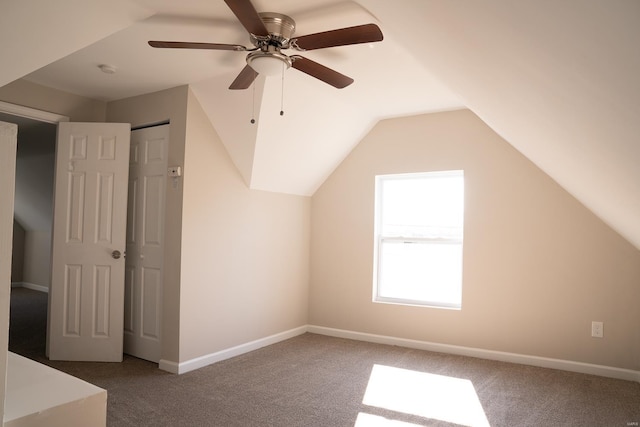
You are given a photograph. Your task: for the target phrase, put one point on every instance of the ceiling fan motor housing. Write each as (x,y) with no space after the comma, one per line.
(280,27)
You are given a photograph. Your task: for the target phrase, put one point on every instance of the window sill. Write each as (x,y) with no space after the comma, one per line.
(414,303)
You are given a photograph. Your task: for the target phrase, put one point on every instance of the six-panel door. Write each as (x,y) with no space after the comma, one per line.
(86,299)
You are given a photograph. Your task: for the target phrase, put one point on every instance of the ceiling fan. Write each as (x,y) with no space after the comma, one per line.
(270,33)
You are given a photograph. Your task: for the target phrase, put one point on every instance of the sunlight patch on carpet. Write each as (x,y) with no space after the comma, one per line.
(426,395)
(368,420)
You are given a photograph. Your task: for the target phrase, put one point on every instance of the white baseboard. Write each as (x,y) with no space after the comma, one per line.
(169,366)
(544,362)
(200,362)
(523,359)
(31,286)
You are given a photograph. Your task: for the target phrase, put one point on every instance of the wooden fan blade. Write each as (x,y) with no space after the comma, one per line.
(244,79)
(196,45)
(321,72)
(248,17)
(367,33)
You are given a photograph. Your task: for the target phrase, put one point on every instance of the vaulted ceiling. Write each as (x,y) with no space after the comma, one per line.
(558,80)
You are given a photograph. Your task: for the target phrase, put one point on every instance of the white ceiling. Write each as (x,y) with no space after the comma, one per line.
(293,153)
(558,80)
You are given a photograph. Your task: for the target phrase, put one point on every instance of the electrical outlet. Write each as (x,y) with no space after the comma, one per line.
(597,329)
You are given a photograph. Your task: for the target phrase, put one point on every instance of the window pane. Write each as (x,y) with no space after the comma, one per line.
(419,234)
(423,207)
(424,272)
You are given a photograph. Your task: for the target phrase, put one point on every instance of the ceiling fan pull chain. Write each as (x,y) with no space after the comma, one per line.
(282,93)
(253,105)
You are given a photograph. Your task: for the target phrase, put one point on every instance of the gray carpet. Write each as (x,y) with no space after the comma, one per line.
(313,380)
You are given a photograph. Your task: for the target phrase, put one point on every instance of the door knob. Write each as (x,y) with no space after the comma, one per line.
(115,254)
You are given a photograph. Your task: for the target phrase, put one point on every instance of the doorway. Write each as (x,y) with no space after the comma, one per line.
(31,249)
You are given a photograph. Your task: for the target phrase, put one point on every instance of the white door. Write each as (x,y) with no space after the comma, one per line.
(86,299)
(145,242)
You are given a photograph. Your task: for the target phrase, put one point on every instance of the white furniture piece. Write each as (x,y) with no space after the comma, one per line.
(37,395)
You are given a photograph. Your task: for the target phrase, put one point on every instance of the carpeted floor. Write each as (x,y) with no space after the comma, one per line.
(313,380)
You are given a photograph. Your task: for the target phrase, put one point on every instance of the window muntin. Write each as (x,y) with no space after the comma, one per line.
(419,229)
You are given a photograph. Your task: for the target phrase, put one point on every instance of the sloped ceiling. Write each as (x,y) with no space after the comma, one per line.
(35,33)
(558,80)
(292,153)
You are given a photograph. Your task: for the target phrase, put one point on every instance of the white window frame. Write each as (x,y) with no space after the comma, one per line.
(381,239)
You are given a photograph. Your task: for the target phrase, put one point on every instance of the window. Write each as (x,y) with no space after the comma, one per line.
(418,238)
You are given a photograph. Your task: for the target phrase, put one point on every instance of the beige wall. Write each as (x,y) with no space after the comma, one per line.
(161,106)
(37,258)
(34,202)
(77,108)
(245,253)
(17,250)
(538,266)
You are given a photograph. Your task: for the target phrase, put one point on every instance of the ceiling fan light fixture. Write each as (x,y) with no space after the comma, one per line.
(268,63)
